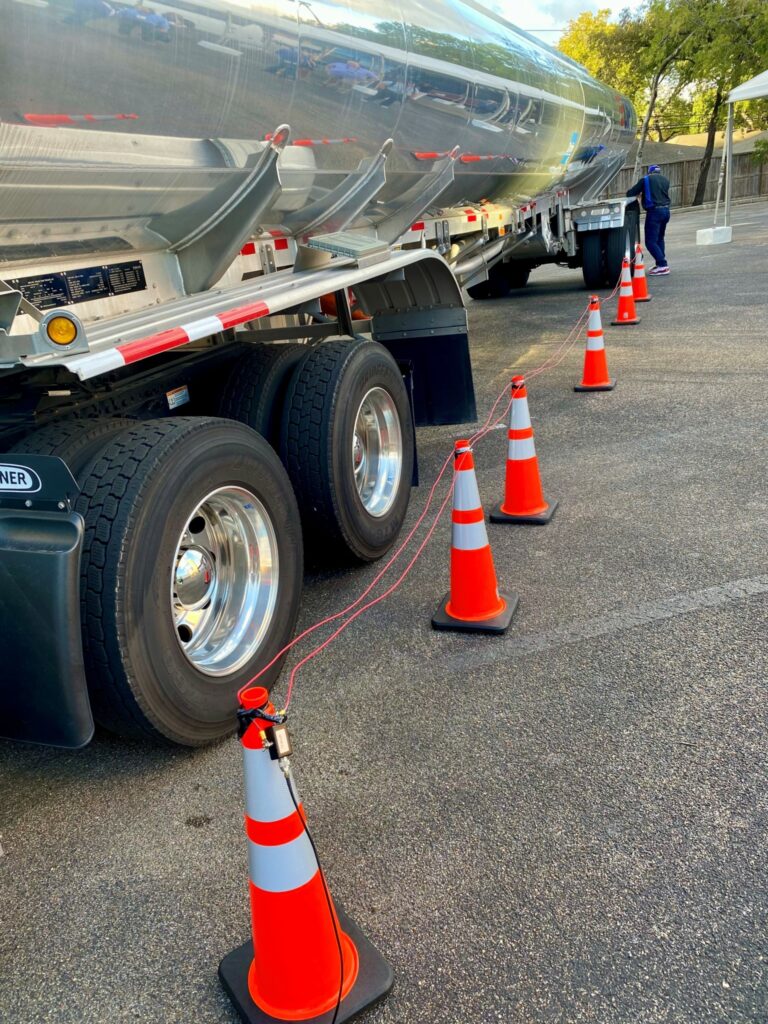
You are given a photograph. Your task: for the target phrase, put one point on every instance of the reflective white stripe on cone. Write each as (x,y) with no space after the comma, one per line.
(474,603)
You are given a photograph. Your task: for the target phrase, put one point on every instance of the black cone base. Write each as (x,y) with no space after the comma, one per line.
(625,323)
(648,299)
(374,980)
(497,516)
(596,387)
(498,624)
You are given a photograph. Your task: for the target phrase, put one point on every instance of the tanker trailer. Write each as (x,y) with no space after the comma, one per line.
(232,243)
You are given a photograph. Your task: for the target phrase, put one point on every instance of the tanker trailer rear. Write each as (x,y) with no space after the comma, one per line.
(232,238)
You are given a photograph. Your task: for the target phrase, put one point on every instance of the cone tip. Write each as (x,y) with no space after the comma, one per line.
(254,697)
(594,300)
(518,381)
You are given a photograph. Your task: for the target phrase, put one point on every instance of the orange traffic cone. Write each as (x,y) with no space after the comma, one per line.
(595,376)
(523,497)
(626,313)
(640,291)
(474,604)
(304,956)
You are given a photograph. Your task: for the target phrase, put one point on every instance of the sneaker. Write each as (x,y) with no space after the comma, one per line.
(658,271)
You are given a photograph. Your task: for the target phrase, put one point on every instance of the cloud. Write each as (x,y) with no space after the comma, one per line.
(562,11)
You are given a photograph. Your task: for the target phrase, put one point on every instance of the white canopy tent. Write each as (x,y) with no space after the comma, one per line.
(756,88)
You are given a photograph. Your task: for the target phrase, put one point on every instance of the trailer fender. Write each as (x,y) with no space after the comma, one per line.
(418,313)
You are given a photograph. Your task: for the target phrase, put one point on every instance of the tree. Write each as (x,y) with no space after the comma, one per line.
(730,45)
(636,55)
(677,58)
(609,50)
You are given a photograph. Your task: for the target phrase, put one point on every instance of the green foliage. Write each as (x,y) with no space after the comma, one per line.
(609,50)
(698,49)
(760,154)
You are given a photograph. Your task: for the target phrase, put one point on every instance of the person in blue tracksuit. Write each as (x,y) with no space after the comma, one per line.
(653,189)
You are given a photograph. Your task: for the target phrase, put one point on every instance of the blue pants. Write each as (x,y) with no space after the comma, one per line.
(656,220)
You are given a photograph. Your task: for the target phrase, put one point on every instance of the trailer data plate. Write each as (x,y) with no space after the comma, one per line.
(67,287)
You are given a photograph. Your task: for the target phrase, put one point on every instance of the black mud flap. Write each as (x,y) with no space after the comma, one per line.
(441,370)
(43,693)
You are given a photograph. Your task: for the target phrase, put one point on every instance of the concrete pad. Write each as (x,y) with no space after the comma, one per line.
(714,236)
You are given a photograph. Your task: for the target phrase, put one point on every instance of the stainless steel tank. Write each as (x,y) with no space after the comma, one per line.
(115,115)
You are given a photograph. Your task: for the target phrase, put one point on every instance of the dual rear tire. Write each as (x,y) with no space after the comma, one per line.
(602,254)
(192,564)
(502,278)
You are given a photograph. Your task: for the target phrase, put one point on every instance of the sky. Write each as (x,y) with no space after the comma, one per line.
(552,14)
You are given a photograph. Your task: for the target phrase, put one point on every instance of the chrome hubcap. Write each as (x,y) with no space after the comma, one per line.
(377,451)
(224,581)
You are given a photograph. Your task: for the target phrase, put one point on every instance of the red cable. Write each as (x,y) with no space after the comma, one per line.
(553,360)
(570,340)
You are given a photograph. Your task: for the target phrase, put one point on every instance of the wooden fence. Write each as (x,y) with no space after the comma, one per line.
(749,179)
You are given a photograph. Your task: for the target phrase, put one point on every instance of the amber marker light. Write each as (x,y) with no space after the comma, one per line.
(61,330)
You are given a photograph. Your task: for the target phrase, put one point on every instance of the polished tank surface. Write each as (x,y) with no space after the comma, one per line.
(116,118)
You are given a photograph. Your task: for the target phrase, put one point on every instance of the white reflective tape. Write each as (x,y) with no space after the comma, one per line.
(266,790)
(595,344)
(594,321)
(519,417)
(203,328)
(466,496)
(469,536)
(93,364)
(521,449)
(282,868)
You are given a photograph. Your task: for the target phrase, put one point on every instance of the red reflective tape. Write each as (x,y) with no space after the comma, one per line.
(47,120)
(249,249)
(242,314)
(155,343)
(520,435)
(281,243)
(475,515)
(595,334)
(418,226)
(428,156)
(275,833)
(471,218)
(469,158)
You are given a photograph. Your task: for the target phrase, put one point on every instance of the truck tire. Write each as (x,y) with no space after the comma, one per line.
(616,240)
(76,442)
(497,285)
(255,391)
(347,443)
(518,274)
(592,260)
(191,575)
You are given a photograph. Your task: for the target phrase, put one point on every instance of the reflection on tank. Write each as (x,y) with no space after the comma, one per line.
(144,109)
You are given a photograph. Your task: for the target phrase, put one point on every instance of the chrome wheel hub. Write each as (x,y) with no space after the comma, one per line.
(195,578)
(377,451)
(224,581)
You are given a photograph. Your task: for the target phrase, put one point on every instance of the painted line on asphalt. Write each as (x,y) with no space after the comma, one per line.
(605,623)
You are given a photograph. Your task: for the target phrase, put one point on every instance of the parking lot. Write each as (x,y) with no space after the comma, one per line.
(565,824)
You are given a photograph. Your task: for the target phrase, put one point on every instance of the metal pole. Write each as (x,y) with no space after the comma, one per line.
(729,169)
(719,192)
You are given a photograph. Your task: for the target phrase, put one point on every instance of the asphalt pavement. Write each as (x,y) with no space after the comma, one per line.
(565,824)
